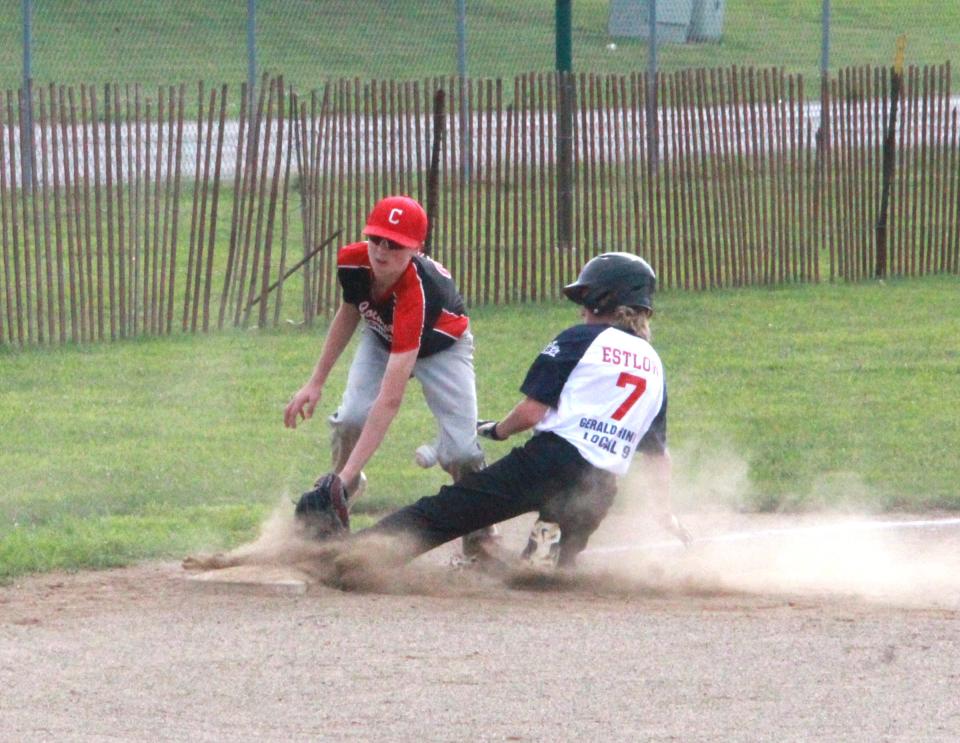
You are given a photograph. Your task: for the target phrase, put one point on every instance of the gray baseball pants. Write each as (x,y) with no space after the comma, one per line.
(449,387)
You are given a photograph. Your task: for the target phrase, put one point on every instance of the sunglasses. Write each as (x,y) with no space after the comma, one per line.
(385,243)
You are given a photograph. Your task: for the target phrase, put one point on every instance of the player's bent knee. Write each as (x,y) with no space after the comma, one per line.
(458,467)
(347,423)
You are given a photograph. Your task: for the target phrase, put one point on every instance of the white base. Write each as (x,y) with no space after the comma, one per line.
(286,581)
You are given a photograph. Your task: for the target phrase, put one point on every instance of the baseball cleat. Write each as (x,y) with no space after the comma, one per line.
(482,549)
(543,546)
(460,562)
(481,543)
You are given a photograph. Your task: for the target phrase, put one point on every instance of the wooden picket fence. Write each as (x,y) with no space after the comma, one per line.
(130,216)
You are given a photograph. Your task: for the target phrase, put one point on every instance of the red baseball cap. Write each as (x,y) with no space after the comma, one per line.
(398,218)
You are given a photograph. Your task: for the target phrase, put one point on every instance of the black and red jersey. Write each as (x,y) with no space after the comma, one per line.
(423,309)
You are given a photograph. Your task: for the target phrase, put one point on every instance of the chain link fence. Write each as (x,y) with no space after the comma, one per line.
(307,41)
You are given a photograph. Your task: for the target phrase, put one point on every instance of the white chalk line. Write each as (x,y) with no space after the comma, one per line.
(786,531)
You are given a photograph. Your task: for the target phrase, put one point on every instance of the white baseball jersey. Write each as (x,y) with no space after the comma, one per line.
(606,392)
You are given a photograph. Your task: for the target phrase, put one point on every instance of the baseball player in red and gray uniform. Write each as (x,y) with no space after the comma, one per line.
(595,396)
(416,325)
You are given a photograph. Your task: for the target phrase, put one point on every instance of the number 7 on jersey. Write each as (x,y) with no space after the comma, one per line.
(639,384)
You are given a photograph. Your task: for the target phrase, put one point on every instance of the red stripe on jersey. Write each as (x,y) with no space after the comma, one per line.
(409,311)
(452,324)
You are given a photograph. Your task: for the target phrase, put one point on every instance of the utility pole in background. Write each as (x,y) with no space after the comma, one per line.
(251,51)
(823,130)
(565,107)
(653,64)
(26,134)
(466,142)
(825,38)
(462,38)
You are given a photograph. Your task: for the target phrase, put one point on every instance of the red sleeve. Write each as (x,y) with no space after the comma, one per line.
(353,255)
(409,312)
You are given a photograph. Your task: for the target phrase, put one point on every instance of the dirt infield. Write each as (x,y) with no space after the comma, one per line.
(769,629)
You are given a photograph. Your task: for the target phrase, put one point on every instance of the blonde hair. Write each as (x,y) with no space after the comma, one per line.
(633,319)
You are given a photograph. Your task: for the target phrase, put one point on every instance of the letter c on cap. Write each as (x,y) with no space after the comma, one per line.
(394,216)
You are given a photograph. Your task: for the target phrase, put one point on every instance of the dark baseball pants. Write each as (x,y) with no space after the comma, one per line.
(547,474)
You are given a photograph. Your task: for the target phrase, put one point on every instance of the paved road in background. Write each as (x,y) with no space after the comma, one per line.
(810,122)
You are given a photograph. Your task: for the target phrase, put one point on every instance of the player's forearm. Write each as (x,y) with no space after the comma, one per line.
(384,410)
(660,468)
(374,430)
(525,415)
(661,471)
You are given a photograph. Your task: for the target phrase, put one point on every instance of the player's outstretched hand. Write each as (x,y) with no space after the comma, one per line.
(488,429)
(302,405)
(671,523)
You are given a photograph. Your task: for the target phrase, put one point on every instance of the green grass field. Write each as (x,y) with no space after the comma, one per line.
(833,396)
(173,41)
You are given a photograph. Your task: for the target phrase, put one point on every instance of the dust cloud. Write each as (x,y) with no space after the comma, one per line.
(909,560)
(906,563)
(848,550)
(372,565)
(280,542)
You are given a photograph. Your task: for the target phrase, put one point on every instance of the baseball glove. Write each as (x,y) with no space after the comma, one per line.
(488,429)
(323,511)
